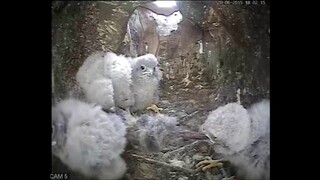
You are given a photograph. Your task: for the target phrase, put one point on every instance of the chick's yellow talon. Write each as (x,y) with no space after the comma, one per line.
(206,164)
(155,108)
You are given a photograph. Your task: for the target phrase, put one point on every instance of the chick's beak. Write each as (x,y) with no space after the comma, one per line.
(148,72)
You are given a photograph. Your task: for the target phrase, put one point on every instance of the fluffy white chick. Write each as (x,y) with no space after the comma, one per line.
(145,82)
(117,81)
(242,137)
(106,80)
(156,131)
(88,140)
(151,132)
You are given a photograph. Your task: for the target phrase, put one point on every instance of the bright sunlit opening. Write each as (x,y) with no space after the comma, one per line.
(165,4)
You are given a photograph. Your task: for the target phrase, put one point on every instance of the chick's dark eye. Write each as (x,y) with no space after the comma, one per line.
(142,67)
